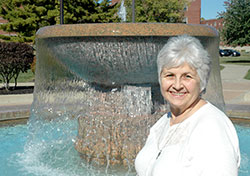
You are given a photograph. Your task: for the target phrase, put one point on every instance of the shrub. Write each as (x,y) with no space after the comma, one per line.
(14,58)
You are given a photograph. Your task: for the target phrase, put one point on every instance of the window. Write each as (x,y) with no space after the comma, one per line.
(185,20)
(186,8)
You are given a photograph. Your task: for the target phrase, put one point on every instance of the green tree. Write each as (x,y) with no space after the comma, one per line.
(168,11)
(14,58)
(89,11)
(236,22)
(27,16)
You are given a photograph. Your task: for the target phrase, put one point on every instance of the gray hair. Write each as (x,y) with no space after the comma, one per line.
(187,49)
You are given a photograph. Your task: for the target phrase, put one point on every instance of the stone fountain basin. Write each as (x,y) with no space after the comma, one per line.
(114,53)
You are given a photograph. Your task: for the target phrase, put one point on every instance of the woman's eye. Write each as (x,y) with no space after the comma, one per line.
(188,76)
(169,75)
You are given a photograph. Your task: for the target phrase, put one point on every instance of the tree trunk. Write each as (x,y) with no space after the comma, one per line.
(15,77)
(15,82)
(7,84)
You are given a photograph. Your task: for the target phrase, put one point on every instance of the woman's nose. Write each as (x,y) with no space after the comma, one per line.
(178,84)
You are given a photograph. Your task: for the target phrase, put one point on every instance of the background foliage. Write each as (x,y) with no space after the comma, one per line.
(171,11)
(27,16)
(14,58)
(236,22)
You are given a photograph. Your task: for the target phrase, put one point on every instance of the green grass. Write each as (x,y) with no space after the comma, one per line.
(244,59)
(221,67)
(25,77)
(247,75)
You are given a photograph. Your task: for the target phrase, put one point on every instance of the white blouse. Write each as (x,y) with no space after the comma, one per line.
(205,144)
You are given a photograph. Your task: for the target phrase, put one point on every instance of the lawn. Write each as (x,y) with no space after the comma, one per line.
(247,75)
(244,59)
(24,77)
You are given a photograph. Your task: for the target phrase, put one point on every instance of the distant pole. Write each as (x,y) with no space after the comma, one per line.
(133,11)
(61,12)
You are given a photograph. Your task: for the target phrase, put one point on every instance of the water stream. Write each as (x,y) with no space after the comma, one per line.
(97,96)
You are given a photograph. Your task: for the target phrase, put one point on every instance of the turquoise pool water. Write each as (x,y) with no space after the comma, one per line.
(60,158)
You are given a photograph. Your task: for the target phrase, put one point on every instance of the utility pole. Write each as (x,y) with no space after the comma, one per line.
(133,11)
(61,12)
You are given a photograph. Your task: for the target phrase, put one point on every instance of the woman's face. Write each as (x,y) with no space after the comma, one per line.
(180,86)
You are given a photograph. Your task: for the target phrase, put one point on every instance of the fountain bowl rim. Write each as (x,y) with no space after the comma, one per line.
(125,29)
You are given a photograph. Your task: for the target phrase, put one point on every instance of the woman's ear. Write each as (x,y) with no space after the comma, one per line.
(203,92)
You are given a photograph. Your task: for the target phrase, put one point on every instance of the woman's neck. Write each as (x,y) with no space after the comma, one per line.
(179,115)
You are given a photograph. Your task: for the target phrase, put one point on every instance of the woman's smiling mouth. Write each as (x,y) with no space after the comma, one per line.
(178,94)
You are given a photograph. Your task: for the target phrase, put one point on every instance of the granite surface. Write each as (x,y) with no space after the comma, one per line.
(126,29)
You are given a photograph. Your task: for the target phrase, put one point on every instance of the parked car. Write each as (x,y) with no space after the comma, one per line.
(232,52)
(224,53)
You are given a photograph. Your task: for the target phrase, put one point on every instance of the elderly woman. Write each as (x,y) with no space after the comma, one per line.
(195,138)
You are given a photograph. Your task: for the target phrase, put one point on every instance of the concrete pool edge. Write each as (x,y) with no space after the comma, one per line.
(20,113)
(14,114)
(238,111)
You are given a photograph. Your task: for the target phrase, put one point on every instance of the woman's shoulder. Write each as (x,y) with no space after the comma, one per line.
(209,113)
(162,122)
(212,120)
(215,130)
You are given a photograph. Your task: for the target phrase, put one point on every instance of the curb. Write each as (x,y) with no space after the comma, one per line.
(17,115)
(14,113)
(234,112)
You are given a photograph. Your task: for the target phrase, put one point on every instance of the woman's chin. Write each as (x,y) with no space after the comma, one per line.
(177,106)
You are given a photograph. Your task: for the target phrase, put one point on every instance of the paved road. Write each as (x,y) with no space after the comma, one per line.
(234,73)
(236,89)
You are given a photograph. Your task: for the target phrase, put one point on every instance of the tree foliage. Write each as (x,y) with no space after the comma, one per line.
(236,22)
(27,16)
(89,11)
(14,58)
(170,11)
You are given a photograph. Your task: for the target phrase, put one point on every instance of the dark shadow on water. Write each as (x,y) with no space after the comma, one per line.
(12,123)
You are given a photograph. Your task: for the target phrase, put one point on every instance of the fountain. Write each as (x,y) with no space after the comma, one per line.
(97,91)
(122,12)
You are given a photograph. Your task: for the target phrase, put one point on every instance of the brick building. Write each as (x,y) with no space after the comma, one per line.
(192,11)
(216,23)
(114,2)
(2,21)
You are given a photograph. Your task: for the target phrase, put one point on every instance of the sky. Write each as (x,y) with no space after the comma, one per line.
(209,8)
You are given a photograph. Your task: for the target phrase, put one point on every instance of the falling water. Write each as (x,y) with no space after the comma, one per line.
(122,12)
(96,98)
